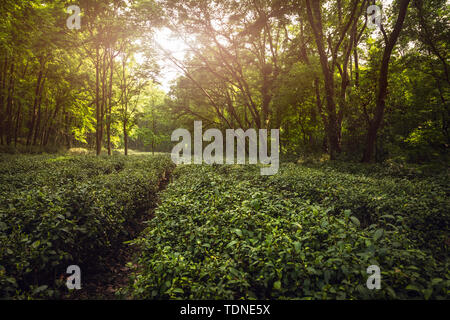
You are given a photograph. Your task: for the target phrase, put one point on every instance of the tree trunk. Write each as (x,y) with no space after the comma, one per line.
(153,128)
(98,138)
(38,120)
(9,106)
(104,93)
(108,114)
(315,19)
(355,55)
(18,122)
(3,75)
(125,137)
(383,84)
(67,125)
(51,121)
(33,111)
(125,101)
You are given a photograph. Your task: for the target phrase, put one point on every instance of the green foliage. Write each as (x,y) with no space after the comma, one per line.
(224,232)
(259,67)
(417,206)
(57,211)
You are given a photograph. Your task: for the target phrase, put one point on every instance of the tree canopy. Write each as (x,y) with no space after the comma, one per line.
(325,73)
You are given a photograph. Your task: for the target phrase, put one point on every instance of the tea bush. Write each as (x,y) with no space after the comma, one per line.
(62,210)
(225,232)
(413,204)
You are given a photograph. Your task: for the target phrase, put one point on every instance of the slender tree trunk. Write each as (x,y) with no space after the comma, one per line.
(125,101)
(108,114)
(104,93)
(154,128)
(98,138)
(67,131)
(383,84)
(38,119)
(51,121)
(315,19)
(3,75)
(266,98)
(125,136)
(9,106)
(18,122)
(356,58)
(45,126)
(33,111)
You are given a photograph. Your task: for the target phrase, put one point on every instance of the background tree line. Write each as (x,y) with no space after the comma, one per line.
(314,69)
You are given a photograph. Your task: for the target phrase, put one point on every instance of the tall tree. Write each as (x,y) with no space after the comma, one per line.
(390,42)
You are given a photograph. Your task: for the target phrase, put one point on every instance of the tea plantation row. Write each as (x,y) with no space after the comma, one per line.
(306,233)
(57,211)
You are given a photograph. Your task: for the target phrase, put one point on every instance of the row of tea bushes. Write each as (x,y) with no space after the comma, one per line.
(225,232)
(419,206)
(61,210)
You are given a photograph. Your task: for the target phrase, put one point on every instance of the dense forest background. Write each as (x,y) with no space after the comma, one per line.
(317,70)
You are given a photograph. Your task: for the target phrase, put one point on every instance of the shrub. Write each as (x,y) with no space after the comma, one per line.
(57,211)
(224,232)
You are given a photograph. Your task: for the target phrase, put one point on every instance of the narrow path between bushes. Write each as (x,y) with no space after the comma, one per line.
(106,284)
